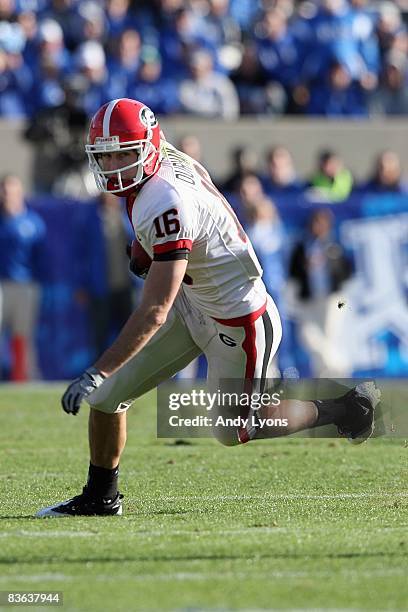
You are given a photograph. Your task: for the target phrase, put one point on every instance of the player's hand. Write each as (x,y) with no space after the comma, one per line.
(80,388)
(139,260)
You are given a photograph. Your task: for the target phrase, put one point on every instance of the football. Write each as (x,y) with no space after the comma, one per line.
(140,261)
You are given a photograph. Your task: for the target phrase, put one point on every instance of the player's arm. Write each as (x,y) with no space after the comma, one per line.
(160,290)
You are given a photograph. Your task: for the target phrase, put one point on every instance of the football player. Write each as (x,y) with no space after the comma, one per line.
(203,293)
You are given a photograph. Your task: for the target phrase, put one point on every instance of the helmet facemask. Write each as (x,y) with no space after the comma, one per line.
(111,181)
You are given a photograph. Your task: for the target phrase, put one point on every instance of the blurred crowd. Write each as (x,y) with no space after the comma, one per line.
(331,180)
(209,58)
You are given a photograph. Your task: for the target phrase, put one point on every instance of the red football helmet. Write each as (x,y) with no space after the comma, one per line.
(124,125)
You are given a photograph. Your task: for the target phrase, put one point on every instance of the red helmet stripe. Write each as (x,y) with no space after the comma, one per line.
(107,117)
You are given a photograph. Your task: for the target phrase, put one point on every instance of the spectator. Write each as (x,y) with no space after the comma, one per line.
(63,12)
(124,63)
(58,134)
(318,268)
(91,22)
(106,286)
(337,94)
(332,181)
(48,90)
(191,145)
(244,13)
(387,175)
(278,50)
(7,10)
(158,92)
(389,27)
(248,194)
(281,174)
(15,77)
(363,28)
(22,234)
(331,33)
(29,5)
(265,230)
(206,93)
(166,9)
(221,25)
(91,64)
(179,36)
(51,45)
(250,82)
(75,180)
(221,33)
(52,63)
(249,191)
(118,17)
(392,96)
(28,22)
(244,162)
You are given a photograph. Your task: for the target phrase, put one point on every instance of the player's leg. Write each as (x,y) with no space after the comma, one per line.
(241,352)
(107,437)
(244,353)
(352,413)
(171,349)
(300,415)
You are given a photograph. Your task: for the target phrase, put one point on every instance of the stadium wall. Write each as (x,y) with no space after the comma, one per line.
(358,142)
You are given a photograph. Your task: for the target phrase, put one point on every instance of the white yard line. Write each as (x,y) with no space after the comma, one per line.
(283,496)
(48,534)
(219,575)
(203,575)
(49,577)
(268,575)
(139,533)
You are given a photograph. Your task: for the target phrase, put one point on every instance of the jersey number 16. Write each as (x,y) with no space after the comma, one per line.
(167,223)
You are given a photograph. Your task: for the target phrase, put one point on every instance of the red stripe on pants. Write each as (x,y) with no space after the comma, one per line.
(249,346)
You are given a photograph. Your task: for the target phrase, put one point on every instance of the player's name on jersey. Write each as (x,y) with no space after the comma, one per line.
(181,169)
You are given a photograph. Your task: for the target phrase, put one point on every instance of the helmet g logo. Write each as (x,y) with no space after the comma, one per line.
(147,117)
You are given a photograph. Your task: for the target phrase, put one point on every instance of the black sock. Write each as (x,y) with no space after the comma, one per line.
(330,411)
(102,482)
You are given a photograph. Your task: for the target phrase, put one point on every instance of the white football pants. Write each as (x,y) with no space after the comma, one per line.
(240,348)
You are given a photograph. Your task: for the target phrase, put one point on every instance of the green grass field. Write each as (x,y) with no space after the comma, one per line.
(281,524)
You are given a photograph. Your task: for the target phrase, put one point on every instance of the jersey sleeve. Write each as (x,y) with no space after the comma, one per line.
(169,230)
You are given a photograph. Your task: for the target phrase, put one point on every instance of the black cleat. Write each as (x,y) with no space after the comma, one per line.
(358,424)
(85,505)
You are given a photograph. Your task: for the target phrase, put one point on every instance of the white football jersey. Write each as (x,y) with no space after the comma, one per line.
(180,208)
